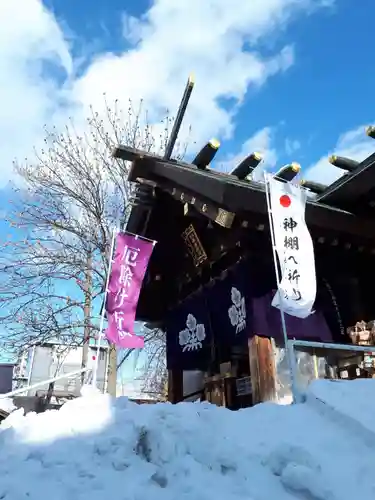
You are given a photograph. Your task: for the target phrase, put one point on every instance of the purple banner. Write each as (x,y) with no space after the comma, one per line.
(128,270)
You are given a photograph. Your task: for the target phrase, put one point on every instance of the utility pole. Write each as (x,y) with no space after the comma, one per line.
(87,313)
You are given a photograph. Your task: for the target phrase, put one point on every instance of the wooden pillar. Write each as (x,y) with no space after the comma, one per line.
(262,369)
(175,386)
(112,370)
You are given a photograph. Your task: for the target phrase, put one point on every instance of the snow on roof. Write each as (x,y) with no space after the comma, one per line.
(96,447)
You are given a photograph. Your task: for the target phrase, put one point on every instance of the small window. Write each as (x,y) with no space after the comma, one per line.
(101,355)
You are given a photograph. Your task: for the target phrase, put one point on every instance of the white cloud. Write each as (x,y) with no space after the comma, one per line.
(260,142)
(354,144)
(216,39)
(29,36)
(291,146)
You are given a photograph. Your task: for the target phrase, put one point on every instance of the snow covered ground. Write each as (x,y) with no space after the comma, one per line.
(355,399)
(97,448)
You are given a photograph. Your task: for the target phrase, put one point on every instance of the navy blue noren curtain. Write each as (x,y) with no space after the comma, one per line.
(229,302)
(189,335)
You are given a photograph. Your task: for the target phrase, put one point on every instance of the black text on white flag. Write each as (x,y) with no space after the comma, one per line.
(294,247)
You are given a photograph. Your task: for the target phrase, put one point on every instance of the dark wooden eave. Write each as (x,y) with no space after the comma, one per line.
(348,191)
(239,196)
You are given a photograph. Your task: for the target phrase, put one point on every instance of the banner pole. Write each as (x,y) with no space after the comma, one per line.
(125,231)
(96,363)
(278,281)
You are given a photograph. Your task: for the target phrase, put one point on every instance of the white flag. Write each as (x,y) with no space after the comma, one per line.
(294,248)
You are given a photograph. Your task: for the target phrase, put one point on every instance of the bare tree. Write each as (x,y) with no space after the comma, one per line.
(154,378)
(65,206)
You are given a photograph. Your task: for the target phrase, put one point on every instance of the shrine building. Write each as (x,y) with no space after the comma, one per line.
(211,277)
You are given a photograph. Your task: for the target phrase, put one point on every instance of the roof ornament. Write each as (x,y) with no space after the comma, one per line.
(343,163)
(370,131)
(179,117)
(206,154)
(315,187)
(247,166)
(288,172)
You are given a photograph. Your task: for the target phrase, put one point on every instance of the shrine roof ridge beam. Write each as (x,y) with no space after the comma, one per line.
(239,196)
(351,186)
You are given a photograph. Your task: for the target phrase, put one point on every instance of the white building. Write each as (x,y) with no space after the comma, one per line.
(48,360)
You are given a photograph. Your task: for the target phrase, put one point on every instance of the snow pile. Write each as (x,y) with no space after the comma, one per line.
(7,405)
(355,399)
(97,448)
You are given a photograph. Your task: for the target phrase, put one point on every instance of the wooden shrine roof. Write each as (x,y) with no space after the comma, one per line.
(354,190)
(340,207)
(174,195)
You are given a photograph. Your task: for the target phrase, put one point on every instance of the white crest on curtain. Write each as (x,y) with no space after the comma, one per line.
(191,337)
(237,311)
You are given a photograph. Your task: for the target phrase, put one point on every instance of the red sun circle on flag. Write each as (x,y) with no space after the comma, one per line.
(285,201)
(94,358)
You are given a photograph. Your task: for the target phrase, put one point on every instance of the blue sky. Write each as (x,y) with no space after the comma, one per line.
(301,101)
(290,78)
(324,94)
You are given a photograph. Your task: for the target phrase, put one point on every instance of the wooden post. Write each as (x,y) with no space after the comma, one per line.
(112,370)
(262,369)
(175,386)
